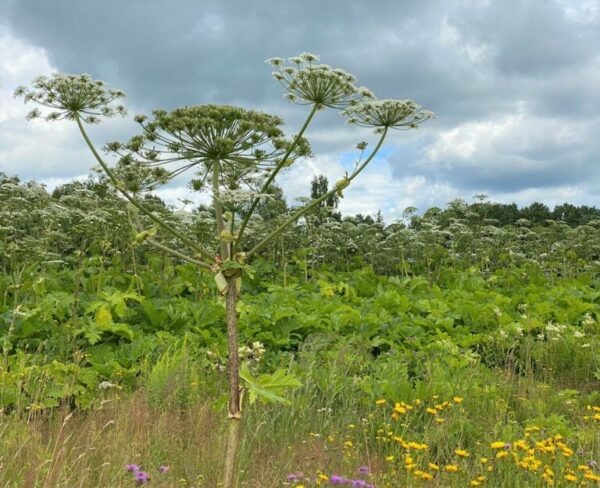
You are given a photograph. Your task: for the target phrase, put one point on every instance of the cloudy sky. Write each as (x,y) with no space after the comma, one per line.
(515,85)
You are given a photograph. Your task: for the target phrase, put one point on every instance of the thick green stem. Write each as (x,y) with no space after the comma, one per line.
(302,211)
(233,368)
(115,181)
(273,174)
(216,170)
(233,444)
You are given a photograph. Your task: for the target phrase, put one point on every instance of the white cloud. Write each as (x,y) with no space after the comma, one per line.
(581,11)
(520,135)
(30,148)
(45,151)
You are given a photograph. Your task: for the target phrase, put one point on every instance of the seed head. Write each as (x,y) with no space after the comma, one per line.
(71,96)
(391,114)
(245,142)
(308,83)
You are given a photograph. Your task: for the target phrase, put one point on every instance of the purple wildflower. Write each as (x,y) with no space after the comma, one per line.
(164,469)
(141,477)
(358,484)
(294,477)
(338,480)
(364,470)
(132,468)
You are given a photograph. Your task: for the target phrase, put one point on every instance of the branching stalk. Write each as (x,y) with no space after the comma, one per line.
(273,174)
(302,211)
(178,254)
(113,178)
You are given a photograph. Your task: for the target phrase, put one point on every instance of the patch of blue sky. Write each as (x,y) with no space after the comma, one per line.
(389,154)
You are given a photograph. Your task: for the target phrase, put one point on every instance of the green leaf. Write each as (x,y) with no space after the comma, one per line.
(269,388)
(103,316)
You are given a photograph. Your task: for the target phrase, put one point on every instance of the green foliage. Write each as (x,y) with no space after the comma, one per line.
(269,388)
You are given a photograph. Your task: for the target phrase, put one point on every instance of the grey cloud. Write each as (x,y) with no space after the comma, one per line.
(470,61)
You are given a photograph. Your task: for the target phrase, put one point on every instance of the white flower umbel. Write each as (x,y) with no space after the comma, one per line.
(388,114)
(71,97)
(309,83)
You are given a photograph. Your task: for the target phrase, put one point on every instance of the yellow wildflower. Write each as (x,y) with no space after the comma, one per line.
(433,466)
(399,408)
(457,399)
(521,444)
(498,445)
(452,468)
(567,452)
(380,402)
(461,452)
(418,446)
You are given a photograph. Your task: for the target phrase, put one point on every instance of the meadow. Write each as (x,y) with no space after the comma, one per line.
(455,350)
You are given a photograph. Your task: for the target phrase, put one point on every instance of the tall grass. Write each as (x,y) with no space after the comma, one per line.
(333,425)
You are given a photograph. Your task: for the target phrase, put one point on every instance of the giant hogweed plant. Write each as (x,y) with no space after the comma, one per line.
(235,154)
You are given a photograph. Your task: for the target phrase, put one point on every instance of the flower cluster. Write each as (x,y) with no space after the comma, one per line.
(298,479)
(387,114)
(244,142)
(307,82)
(142,477)
(253,353)
(549,458)
(72,97)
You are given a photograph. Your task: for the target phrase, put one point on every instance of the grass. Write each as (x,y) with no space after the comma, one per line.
(344,417)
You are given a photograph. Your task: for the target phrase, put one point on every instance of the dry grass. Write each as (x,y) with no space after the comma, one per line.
(84,450)
(91,449)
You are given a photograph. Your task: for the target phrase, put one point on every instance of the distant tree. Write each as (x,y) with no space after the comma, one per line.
(319,186)
(505,214)
(574,215)
(272,205)
(536,213)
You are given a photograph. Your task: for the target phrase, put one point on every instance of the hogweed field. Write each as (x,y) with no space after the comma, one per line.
(246,343)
